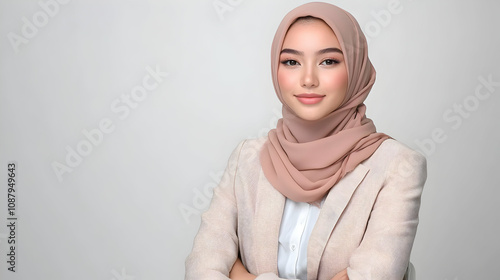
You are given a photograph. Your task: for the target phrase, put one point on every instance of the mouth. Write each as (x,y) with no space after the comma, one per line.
(309,98)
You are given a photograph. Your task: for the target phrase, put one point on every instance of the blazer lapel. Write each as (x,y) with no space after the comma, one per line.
(269,211)
(335,203)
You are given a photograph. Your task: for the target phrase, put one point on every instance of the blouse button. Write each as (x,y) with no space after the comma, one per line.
(292,247)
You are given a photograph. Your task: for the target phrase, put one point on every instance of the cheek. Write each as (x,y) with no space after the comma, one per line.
(337,82)
(285,80)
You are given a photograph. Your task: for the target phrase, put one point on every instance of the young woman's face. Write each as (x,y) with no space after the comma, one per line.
(312,74)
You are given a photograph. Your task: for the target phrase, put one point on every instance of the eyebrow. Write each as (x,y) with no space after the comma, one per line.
(323,51)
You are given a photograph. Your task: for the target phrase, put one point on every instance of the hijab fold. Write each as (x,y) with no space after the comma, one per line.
(304,159)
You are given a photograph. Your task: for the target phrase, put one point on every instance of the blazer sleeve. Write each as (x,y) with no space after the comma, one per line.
(385,249)
(215,246)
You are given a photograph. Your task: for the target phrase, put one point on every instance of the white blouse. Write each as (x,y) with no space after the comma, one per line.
(296,227)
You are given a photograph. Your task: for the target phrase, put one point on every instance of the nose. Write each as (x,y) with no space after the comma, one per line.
(309,77)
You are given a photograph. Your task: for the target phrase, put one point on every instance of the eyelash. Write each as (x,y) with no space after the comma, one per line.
(334,61)
(288,61)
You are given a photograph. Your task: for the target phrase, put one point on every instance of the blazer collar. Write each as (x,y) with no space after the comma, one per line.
(269,212)
(333,207)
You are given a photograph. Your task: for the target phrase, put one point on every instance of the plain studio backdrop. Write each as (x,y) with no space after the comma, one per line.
(120,116)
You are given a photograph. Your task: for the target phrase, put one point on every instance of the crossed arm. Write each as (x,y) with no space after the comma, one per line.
(389,234)
(239,272)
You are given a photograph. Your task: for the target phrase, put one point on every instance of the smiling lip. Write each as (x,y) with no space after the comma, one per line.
(309,98)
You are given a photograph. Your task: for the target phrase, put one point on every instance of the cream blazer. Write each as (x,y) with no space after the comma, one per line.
(367,223)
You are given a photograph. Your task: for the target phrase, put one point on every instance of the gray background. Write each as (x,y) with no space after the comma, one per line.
(130,208)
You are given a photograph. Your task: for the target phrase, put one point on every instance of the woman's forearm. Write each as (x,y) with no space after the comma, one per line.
(341,275)
(239,272)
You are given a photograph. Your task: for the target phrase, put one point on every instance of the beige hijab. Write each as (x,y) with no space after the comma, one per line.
(304,159)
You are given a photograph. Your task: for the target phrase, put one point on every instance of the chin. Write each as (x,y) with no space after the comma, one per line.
(310,117)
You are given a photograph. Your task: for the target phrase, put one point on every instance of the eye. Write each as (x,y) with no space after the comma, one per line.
(329,61)
(290,62)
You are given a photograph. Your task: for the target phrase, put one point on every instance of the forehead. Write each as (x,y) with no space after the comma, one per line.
(310,33)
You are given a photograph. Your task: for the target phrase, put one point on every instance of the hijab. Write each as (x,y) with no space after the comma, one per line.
(304,159)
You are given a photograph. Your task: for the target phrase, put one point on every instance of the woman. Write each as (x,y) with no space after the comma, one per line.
(326,197)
